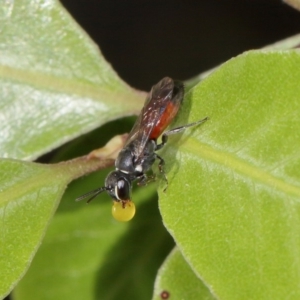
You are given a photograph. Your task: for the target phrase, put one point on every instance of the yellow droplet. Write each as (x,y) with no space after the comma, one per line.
(123,211)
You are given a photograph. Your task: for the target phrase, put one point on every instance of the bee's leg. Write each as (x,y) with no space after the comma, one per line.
(179,129)
(161,165)
(144,179)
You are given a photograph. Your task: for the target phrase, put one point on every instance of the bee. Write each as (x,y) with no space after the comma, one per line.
(139,152)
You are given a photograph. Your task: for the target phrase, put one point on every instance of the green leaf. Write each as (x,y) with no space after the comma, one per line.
(233,198)
(54,79)
(176,279)
(29,196)
(86,254)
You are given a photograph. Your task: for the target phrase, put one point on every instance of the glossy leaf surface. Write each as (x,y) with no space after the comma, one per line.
(54,83)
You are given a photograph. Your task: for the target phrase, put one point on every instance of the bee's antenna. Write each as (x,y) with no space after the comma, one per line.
(93,194)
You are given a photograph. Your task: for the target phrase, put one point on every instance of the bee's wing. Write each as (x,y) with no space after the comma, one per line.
(155,105)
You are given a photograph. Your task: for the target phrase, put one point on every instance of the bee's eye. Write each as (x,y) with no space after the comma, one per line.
(122,189)
(123,211)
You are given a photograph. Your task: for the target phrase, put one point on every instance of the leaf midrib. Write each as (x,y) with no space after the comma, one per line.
(240,166)
(111,96)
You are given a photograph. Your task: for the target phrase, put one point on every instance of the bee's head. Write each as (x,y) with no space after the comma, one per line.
(118,186)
